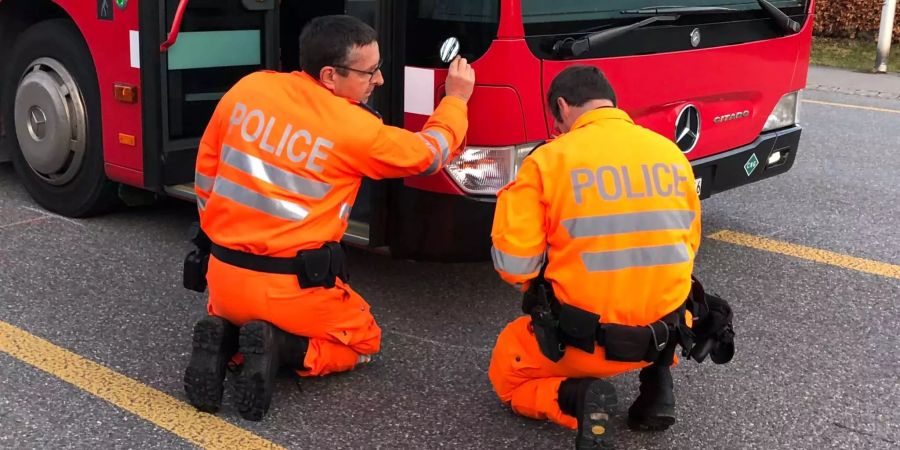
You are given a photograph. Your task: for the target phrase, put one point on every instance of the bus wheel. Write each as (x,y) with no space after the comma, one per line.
(56,118)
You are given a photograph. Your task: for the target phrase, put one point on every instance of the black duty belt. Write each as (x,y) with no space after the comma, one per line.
(557,326)
(256,263)
(313,268)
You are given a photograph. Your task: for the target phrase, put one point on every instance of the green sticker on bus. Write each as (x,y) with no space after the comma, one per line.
(751,164)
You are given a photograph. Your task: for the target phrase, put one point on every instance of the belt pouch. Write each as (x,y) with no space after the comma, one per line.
(626,343)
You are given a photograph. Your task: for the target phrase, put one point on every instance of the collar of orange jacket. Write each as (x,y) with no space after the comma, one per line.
(309,79)
(603,113)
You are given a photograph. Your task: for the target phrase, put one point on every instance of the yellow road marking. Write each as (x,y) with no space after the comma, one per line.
(167,412)
(812,254)
(844,105)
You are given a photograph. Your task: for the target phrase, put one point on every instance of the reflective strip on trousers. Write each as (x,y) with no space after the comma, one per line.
(442,142)
(239,194)
(636,257)
(436,161)
(516,265)
(628,223)
(274,175)
(344,213)
(203,182)
(201,203)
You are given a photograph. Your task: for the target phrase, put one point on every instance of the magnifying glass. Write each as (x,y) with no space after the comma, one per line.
(449,49)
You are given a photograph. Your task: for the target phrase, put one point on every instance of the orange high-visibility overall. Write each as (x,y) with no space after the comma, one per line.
(278,170)
(613,209)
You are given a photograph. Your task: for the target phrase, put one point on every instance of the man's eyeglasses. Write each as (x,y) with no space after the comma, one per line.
(370,73)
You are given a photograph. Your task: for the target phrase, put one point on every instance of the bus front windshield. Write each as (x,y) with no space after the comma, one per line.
(719,22)
(543,11)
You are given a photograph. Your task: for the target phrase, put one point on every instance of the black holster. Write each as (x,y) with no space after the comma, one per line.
(714,332)
(544,321)
(196,263)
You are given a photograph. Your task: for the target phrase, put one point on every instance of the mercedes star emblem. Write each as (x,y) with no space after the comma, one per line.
(687,128)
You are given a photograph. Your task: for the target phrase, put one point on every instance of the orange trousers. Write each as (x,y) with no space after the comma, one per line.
(523,377)
(337,321)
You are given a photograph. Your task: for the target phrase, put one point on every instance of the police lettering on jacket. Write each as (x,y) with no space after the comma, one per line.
(254,126)
(612,183)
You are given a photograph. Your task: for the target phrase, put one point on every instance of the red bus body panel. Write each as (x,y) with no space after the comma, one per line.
(110,45)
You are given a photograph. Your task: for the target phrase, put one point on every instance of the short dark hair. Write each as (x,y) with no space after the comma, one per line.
(578,85)
(328,40)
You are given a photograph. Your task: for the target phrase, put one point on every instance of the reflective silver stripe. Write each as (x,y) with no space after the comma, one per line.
(636,257)
(628,223)
(442,141)
(345,211)
(274,175)
(201,203)
(516,265)
(436,160)
(203,182)
(252,199)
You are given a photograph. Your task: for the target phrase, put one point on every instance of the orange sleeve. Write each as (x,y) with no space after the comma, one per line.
(396,152)
(208,157)
(519,232)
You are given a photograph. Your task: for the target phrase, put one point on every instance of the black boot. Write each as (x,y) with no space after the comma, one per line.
(265,349)
(654,408)
(291,349)
(591,401)
(215,342)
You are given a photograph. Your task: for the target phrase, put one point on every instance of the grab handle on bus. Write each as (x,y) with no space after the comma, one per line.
(176,27)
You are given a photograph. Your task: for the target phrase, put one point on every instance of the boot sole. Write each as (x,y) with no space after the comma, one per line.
(594,431)
(654,421)
(255,384)
(205,373)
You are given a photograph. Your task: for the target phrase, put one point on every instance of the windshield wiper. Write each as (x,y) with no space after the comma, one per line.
(781,19)
(575,47)
(654,10)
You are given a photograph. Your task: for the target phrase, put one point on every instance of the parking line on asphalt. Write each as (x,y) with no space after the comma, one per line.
(845,105)
(808,253)
(204,430)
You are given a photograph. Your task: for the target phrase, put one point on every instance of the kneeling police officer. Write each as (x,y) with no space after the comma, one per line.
(599,230)
(278,171)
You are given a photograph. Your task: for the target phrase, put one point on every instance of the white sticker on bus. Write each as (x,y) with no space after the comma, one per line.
(134,41)
(418,91)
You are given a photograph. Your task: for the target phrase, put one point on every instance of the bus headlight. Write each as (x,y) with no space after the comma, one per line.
(485,170)
(785,112)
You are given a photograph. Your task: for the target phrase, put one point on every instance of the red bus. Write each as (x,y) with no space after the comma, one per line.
(101,97)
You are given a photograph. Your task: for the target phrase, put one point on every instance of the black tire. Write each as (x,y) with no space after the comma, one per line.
(86,191)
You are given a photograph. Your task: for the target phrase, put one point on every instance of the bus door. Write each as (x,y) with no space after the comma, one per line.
(368,218)
(218,43)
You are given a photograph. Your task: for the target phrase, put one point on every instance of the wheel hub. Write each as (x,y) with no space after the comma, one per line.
(51,122)
(37,123)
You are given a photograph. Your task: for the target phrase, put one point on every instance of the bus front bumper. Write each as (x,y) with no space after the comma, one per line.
(747,164)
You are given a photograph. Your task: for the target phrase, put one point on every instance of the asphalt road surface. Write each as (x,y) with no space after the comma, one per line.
(809,261)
